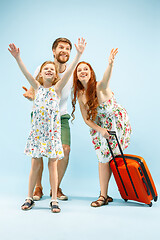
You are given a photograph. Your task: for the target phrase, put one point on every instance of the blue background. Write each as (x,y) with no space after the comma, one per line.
(33,25)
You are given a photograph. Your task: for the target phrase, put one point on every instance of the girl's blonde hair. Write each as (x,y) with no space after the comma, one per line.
(55,80)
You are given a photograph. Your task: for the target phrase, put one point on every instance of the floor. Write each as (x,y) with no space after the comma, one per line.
(77,220)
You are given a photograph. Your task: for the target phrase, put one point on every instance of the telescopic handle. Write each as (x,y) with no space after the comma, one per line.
(114,133)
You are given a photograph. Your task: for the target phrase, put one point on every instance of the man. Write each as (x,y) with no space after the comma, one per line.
(61,51)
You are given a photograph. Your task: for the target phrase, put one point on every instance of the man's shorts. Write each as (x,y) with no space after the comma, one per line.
(65,129)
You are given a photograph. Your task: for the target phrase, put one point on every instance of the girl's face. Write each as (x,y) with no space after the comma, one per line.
(48,72)
(83,73)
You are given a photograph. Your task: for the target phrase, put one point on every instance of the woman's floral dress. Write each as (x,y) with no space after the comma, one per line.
(111,116)
(45,136)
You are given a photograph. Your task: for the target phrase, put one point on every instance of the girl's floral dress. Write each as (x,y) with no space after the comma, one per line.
(113,117)
(45,136)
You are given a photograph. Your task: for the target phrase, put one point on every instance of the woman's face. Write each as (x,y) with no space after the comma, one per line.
(48,72)
(83,73)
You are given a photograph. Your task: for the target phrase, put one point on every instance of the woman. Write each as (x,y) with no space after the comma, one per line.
(101,113)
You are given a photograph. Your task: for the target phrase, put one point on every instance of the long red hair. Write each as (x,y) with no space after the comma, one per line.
(91,93)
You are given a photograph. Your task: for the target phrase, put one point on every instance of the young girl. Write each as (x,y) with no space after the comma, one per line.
(101,113)
(44,138)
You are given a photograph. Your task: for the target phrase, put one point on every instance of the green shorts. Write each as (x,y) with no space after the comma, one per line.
(65,129)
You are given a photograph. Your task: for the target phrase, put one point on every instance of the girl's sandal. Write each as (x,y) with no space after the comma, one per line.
(54,207)
(28,204)
(100,202)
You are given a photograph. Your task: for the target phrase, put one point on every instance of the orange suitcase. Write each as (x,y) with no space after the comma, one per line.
(132,176)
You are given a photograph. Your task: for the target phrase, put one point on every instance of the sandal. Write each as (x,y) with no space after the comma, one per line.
(110,199)
(100,202)
(28,204)
(54,207)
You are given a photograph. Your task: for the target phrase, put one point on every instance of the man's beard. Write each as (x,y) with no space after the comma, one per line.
(58,57)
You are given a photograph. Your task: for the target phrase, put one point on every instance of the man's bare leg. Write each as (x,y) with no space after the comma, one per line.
(63,163)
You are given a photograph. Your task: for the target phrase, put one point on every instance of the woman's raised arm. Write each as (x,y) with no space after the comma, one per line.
(104,83)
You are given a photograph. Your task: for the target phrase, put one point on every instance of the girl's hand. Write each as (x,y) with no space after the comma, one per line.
(104,133)
(112,55)
(81,45)
(14,51)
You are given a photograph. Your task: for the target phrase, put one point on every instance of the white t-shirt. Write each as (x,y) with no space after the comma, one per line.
(65,91)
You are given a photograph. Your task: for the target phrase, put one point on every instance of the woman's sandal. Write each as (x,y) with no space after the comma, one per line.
(110,199)
(100,202)
(28,204)
(54,207)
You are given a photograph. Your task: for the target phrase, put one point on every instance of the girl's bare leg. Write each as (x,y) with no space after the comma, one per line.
(39,177)
(35,165)
(53,176)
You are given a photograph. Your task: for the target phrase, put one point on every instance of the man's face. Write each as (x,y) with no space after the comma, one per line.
(62,52)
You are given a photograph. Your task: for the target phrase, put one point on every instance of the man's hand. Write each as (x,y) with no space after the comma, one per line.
(81,45)
(28,94)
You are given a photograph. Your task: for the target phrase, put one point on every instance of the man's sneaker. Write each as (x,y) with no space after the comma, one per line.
(60,195)
(37,195)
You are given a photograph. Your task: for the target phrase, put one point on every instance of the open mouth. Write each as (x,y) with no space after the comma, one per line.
(83,75)
(49,74)
(63,55)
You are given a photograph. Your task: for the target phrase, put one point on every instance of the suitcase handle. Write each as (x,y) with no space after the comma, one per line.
(114,133)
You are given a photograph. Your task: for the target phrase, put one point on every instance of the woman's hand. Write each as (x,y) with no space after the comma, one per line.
(81,45)
(112,55)
(14,50)
(104,133)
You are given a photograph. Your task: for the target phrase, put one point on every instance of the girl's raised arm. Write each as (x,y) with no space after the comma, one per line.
(16,54)
(104,83)
(80,48)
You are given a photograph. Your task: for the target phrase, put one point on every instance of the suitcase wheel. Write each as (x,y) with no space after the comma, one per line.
(150,205)
(155,199)
(125,200)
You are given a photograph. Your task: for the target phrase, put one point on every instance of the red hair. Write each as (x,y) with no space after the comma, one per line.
(91,93)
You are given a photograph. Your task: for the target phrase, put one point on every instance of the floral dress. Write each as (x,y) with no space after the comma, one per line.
(111,116)
(45,136)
